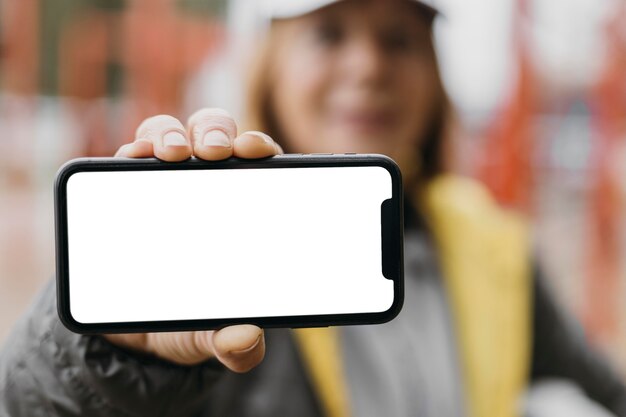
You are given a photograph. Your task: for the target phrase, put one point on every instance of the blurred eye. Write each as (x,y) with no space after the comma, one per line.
(328,33)
(403,39)
(397,40)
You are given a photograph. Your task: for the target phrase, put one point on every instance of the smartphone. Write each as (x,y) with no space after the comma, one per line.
(144,245)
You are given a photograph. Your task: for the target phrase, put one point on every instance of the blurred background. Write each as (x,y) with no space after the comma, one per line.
(539,88)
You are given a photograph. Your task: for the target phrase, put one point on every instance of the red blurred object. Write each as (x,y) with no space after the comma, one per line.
(505,165)
(608,106)
(156,47)
(20,45)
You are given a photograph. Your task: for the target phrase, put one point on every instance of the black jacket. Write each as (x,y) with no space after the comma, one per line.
(46,370)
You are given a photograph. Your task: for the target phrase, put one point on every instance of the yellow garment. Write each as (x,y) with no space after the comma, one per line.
(484,256)
(322,354)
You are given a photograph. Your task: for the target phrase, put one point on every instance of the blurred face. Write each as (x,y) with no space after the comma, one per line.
(357,76)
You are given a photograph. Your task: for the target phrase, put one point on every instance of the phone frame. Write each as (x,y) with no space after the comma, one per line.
(392,231)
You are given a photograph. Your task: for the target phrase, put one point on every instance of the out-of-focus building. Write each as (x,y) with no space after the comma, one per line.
(539,87)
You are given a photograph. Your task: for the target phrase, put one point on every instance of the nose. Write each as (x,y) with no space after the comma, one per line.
(364,61)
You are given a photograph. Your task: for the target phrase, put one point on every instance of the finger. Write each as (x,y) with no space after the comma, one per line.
(135,341)
(240,348)
(212,132)
(254,144)
(140,148)
(168,137)
(184,348)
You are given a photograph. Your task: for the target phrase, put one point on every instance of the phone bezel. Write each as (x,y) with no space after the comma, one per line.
(394,237)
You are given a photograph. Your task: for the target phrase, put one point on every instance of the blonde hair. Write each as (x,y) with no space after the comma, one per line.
(258,106)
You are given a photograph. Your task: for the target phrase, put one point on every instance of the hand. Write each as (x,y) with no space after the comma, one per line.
(211,134)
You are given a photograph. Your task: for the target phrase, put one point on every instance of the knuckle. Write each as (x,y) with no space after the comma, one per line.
(207,119)
(154,126)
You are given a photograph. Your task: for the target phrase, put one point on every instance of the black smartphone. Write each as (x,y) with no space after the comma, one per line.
(288,241)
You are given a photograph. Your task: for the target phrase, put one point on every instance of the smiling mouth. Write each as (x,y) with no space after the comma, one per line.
(366,120)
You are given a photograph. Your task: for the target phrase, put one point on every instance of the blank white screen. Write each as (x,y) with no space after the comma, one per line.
(206,244)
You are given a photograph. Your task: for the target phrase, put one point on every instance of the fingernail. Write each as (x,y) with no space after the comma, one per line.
(249,349)
(263,136)
(174,139)
(216,138)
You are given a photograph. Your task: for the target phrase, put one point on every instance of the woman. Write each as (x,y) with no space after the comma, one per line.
(477,325)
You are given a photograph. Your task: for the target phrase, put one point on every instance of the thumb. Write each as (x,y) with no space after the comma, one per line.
(183,348)
(240,348)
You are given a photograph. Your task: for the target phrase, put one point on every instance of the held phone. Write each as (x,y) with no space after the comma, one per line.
(287,241)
